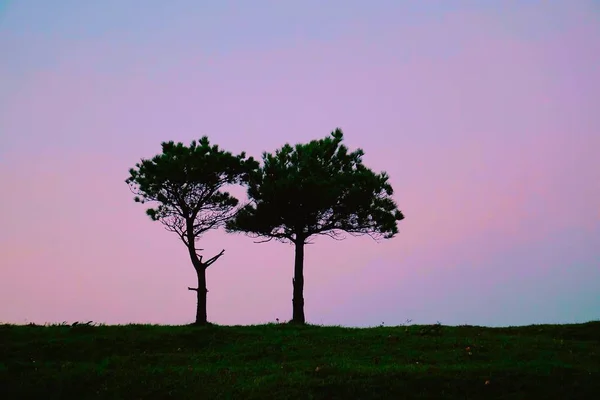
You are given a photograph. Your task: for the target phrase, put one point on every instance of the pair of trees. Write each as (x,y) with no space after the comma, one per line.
(317,188)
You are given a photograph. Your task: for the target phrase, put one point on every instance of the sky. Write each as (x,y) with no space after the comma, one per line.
(484,114)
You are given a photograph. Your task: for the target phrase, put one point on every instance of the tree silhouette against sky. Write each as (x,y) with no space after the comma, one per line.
(186,182)
(318,188)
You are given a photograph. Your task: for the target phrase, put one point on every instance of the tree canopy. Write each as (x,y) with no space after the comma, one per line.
(318,188)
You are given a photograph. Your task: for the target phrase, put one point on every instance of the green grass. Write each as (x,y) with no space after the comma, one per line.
(281,361)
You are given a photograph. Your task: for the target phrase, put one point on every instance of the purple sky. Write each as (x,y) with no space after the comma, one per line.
(485,117)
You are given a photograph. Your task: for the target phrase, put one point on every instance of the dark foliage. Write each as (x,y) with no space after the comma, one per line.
(317,188)
(282,361)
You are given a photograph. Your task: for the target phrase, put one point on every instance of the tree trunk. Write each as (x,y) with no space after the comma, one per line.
(201,318)
(200,268)
(298,283)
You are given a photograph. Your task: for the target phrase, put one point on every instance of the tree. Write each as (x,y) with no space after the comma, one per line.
(318,188)
(186,183)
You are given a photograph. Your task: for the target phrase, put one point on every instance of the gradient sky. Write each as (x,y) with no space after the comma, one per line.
(484,113)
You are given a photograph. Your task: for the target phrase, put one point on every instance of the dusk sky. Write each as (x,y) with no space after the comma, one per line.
(485,114)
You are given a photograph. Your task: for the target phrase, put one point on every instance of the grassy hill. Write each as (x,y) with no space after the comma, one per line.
(281,361)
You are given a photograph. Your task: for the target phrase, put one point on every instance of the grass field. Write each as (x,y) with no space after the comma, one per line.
(281,361)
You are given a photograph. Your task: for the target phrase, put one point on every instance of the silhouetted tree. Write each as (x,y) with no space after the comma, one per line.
(318,188)
(186,183)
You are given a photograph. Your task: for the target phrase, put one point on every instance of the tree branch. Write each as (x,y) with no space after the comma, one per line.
(196,289)
(282,237)
(213,259)
(265,241)
(332,234)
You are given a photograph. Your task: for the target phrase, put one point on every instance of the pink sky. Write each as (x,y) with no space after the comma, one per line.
(485,118)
